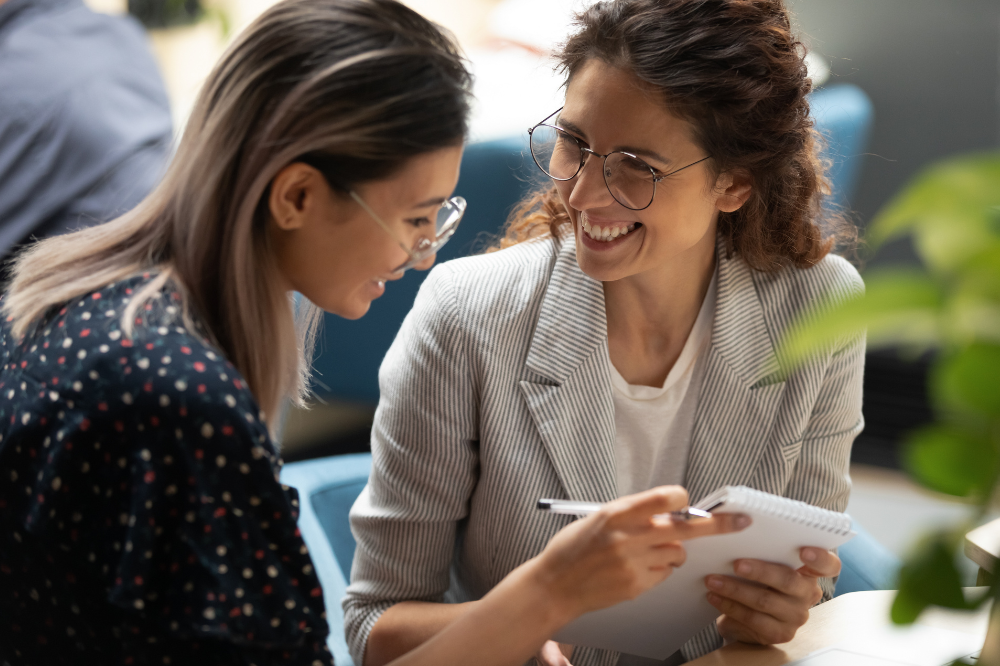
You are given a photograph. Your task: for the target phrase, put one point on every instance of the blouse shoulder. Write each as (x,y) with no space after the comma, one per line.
(194,521)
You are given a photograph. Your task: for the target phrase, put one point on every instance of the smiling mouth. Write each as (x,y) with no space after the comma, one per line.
(609,232)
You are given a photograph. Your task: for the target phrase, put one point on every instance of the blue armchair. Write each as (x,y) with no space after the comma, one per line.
(327,489)
(866,565)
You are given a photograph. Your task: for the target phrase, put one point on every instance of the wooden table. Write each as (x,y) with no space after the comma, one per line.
(982,546)
(847,615)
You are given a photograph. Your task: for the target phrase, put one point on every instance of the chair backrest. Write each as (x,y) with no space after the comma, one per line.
(843,115)
(866,565)
(495,176)
(327,489)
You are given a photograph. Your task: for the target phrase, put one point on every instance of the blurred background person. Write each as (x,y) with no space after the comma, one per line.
(85,125)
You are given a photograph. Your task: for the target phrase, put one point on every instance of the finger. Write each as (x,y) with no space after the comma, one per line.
(764,600)
(721,523)
(639,509)
(777,576)
(732,630)
(667,555)
(757,627)
(819,563)
(550,654)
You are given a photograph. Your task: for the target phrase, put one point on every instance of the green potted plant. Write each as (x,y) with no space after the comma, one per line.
(951,308)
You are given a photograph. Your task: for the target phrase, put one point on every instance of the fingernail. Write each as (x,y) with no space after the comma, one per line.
(714,582)
(713,598)
(743,568)
(742,521)
(809,555)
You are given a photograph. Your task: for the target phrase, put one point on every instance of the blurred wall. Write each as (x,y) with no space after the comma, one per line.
(932,69)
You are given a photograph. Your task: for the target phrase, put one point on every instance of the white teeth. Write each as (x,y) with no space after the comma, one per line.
(608,233)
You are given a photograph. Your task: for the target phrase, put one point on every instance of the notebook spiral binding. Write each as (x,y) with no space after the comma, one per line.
(780,507)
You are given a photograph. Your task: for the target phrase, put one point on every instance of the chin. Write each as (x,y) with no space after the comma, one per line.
(352,310)
(602,270)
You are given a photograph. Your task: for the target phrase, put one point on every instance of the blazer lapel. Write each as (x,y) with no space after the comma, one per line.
(572,405)
(741,389)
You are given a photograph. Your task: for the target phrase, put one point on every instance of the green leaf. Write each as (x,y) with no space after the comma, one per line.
(951,460)
(930,578)
(949,208)
(898,307)
(970,380)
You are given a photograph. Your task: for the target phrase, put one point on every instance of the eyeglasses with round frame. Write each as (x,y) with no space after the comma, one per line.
(637,166)
(446,222)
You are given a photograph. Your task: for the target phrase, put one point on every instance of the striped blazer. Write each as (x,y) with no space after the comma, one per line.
(497,391)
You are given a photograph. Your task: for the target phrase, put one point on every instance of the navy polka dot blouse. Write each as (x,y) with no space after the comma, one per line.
(141,516)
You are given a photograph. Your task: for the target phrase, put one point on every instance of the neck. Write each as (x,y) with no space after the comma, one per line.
(651,314)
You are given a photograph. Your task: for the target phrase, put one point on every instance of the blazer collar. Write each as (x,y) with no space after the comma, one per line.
(572,321)
(740,333)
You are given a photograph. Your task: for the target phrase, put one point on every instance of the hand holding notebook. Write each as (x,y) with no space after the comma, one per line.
(661,620)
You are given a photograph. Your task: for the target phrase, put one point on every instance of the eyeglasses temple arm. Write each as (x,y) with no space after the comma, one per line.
(683,167)
(385,227)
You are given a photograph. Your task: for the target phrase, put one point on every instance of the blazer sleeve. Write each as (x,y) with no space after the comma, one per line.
(424,464)
(822,473)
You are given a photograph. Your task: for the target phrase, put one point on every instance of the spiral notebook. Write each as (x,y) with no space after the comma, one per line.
(660,621)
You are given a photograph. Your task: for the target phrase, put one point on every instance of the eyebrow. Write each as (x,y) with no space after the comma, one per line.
(433,201)
(565,124)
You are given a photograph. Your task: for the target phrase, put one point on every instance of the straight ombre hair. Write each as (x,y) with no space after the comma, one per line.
(367,84)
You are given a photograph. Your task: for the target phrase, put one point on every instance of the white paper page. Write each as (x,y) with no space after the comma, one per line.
(660,621)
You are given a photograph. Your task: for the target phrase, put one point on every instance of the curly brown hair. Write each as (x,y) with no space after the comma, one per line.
(733,69)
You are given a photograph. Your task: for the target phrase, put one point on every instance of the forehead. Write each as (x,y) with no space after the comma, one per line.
(613,108)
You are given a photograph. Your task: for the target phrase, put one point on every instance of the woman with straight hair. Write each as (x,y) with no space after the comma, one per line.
(625,336)
(145,361)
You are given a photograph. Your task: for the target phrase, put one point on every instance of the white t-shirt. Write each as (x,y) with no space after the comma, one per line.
(653,425)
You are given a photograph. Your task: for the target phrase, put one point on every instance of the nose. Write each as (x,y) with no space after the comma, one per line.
(589,189)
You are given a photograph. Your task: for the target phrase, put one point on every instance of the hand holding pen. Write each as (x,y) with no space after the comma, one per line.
(620,550)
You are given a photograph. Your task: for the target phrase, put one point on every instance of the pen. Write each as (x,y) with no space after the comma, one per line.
(572,508)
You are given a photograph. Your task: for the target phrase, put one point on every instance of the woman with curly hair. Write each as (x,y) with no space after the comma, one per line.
(625,334)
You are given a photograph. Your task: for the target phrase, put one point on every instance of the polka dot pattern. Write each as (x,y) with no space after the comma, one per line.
(141,516)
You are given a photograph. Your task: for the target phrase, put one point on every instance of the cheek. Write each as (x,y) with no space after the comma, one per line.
(332,264)
(565,189)
(680,215)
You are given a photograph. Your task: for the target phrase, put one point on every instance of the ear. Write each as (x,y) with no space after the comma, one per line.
(732,191)
(293,189)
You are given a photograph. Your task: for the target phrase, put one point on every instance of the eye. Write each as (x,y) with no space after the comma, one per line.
(418,222)
(637,166)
